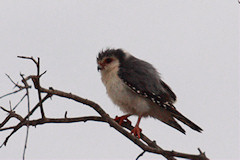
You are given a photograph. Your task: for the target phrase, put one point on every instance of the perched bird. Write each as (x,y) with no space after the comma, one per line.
(136,87)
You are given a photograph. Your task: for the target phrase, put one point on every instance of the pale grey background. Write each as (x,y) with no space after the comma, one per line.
(193,44)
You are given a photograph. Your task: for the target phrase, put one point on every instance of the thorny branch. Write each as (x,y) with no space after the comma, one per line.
(37,80)
(144,142)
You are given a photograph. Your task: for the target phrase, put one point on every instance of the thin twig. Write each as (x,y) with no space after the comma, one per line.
(28,106)
(10,105)
(19,125)
(37,80)
(42,74)
(8,94)
(11,115)
(31,58)
(19,101)
(15,85)
(58,120)
(39,92)
(140,155)
(26,140)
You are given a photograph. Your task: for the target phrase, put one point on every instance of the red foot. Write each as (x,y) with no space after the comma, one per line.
(122,119)
(136,131)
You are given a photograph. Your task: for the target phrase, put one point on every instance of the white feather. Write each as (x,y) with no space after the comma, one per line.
(121,94)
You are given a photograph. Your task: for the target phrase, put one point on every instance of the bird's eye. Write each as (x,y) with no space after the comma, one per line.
(108,60)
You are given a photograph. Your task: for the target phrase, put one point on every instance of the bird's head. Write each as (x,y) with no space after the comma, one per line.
(109,59)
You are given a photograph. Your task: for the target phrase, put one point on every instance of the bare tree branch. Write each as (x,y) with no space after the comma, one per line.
(25,95)
(144,142)
(20,124)
(8,94)
(37,85)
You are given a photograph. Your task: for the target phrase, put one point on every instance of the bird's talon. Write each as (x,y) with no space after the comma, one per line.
(122,119)
(136,131)
(128,121)
(116,118)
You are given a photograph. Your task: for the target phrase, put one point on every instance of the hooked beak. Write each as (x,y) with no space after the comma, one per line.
(99,68)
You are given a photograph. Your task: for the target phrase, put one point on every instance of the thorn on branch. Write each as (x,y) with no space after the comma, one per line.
(42,74)
(5,109)
(10,105)
(202,154)
(200,151)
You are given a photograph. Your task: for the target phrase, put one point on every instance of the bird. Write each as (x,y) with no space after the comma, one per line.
(136,87)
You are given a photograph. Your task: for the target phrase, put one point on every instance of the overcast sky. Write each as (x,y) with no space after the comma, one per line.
(193,44)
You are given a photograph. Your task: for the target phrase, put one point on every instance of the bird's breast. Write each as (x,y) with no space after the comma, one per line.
(123,96)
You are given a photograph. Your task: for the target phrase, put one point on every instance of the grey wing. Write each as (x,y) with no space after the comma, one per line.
(143,79)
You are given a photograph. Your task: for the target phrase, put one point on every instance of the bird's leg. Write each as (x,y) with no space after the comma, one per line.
(122,119)
(136,130)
